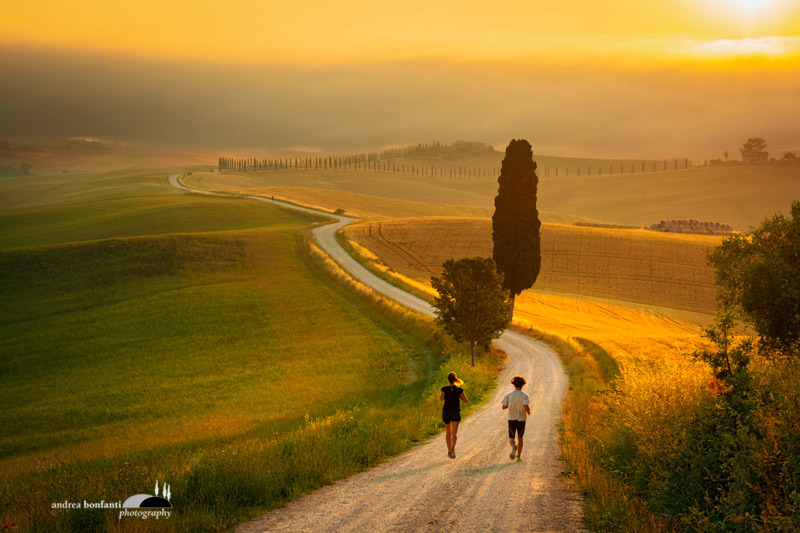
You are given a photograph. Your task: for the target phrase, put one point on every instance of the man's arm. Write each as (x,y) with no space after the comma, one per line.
(527,409)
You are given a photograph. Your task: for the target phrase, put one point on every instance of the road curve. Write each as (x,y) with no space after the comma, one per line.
(423,490)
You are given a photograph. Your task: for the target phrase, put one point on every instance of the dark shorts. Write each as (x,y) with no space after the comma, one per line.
(517,426)
(451,416)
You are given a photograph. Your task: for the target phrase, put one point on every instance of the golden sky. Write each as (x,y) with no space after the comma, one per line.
(615,78)
(322,31)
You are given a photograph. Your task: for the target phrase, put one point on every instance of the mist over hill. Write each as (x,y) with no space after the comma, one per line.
(588,110)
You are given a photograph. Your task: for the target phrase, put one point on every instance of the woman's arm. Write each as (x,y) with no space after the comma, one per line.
(464,398)
(441,396)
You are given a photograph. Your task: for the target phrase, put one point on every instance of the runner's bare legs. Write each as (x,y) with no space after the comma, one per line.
(454,435)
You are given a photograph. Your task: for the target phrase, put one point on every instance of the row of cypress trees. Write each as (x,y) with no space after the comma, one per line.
(358,162)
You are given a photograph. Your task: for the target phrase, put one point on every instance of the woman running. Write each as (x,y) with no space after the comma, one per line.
(451,411)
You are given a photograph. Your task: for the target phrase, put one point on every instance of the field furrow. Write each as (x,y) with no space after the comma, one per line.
(628,265)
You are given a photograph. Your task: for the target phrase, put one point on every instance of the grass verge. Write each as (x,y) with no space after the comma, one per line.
(372,263)
(606,507)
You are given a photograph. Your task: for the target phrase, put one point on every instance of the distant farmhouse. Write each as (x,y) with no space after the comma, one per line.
(753,156)
(754,151)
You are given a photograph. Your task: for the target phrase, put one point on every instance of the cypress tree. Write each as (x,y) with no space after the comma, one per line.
(515,223)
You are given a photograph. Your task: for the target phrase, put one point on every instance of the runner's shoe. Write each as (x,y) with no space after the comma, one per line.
(513,452)
(519,459)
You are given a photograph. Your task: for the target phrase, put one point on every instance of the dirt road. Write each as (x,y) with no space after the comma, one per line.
(423,490)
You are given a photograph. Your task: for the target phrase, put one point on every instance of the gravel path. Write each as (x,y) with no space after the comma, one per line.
(423,490)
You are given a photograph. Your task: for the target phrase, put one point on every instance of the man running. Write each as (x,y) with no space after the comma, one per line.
(518,405)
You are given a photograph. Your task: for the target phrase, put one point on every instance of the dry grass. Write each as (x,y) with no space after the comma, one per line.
(627,265)
(365,194)
(737,195)
(630,336)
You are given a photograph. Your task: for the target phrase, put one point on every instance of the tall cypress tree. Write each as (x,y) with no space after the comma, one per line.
(515,223)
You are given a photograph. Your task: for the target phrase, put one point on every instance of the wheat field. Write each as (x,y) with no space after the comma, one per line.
(640,339)
(635,266)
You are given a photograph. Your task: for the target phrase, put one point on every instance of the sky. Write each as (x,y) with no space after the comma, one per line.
(619,78)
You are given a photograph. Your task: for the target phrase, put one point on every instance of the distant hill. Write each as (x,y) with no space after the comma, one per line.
(480,155)
(741,195)
(738,195)
(75,155)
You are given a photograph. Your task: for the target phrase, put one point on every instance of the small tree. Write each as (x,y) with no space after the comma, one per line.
(472,304)
(515,223)
(759,274)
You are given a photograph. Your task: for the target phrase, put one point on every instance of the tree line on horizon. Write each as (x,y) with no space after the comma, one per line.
(387,161)
(351,162)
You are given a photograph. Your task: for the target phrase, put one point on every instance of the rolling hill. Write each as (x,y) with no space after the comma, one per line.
(739,195)
(162,335)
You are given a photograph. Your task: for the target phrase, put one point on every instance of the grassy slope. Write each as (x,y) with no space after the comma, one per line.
(175,303)
(126,215)
(157,351)
(29,191)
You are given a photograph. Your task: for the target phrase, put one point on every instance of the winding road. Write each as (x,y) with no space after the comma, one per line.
(423,490)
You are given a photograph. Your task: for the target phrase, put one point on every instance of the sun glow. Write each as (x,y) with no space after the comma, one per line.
(753,11)
(752,5)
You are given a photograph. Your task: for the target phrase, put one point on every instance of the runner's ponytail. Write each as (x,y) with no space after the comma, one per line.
(454,380)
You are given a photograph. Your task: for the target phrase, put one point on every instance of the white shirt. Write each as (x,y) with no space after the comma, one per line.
(515,401)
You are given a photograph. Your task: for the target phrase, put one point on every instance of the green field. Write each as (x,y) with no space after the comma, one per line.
(150,334)
(28,191)
(129,215)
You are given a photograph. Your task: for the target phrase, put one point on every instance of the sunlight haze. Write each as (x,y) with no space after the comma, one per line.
(622,78)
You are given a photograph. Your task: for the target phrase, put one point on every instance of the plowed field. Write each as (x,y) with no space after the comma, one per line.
(628,265)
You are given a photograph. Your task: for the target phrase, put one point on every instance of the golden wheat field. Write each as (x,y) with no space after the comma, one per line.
(646,344)
(654,269)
